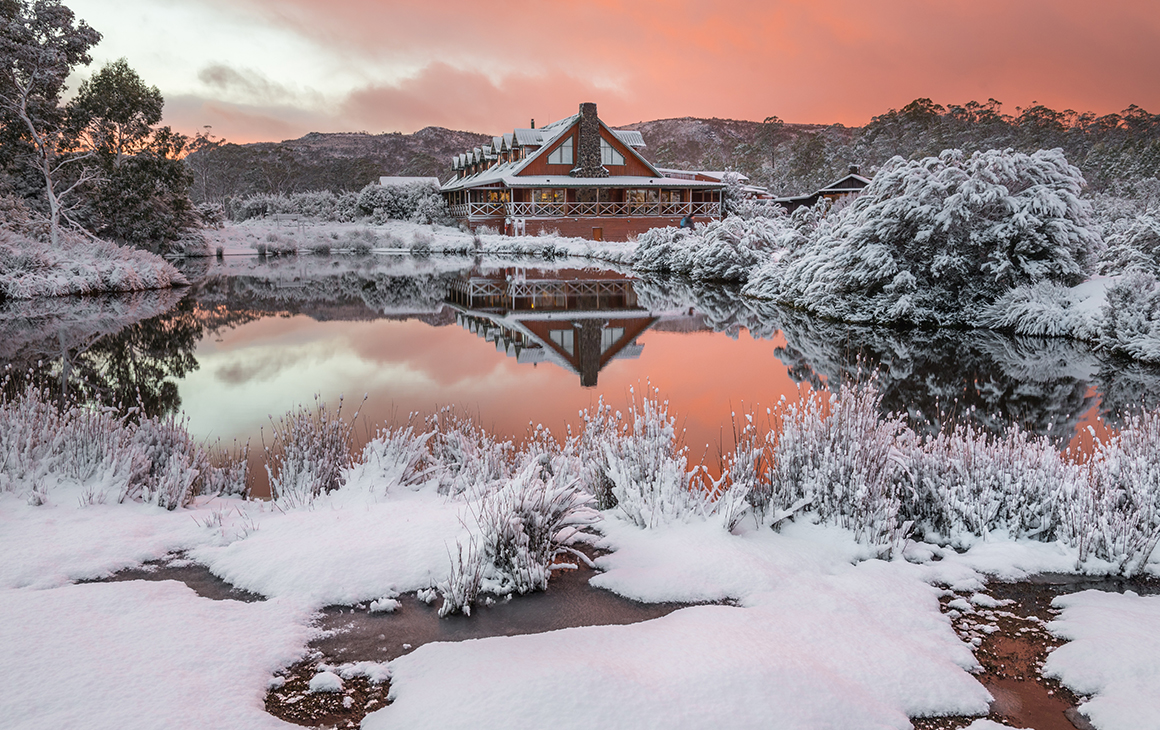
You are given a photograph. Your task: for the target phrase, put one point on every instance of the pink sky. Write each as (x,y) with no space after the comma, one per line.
(349,65)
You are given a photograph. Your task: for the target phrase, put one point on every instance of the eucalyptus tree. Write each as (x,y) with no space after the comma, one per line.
(41,42)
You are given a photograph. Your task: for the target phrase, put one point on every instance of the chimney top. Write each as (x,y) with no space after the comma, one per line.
(533,122)
(853,169)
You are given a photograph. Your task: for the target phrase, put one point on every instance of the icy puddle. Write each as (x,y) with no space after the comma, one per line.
(355,634)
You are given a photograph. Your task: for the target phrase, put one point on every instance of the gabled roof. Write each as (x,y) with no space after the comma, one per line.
(508,173)
(851,182)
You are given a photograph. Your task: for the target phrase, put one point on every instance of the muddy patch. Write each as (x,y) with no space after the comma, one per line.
(1011,643)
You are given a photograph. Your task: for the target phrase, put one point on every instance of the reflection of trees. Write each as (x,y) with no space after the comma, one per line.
(1125,387)
(118,351)
(1043,384)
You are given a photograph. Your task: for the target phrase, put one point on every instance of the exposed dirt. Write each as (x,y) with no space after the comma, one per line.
(1012,643)
(292,701)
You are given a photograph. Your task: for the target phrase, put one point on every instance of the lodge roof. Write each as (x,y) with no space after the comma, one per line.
(539,139)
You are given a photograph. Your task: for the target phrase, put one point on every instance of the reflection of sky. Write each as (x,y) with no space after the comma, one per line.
(266,367)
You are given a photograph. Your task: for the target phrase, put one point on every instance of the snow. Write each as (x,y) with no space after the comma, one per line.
(815,642)
(326,682)
(63,541)
(1113,653)
(141,655)
(348,547)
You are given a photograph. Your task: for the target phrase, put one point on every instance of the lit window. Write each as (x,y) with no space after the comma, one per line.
(609,155)
(562,155)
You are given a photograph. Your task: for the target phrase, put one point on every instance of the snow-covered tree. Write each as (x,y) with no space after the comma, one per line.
(935,241)
(41,42)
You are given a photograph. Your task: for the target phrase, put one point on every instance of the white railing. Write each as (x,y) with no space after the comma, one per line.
(583,210)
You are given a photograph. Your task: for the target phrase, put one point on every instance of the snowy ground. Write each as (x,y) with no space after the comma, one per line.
(1114,654)
(808,628)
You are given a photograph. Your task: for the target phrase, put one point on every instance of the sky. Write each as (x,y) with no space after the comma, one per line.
(256,70)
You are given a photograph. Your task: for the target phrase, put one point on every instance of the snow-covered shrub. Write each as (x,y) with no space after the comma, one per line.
(465,457)
(30,268)
(935,240)
(1133,245)
(395,458)
(43,442)
(598,437)
(525,524)
(840,459)
(1044,309)
(1115,514)
(746,471)
(720,250)
(167,466)
(649,469)
(465,581)
(967,481)
(1130,319)
(418,202)
(322,205)
(310,453)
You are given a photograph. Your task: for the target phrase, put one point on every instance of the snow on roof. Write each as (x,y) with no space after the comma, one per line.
(847,184)
(527,137)
(630,137)
(718,175)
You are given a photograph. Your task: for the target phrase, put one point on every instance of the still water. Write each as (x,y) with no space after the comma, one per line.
(517,342)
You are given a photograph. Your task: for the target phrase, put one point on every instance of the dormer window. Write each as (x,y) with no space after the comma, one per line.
(609,155)
(562,155)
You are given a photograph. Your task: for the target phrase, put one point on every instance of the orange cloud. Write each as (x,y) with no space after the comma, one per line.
(489,68)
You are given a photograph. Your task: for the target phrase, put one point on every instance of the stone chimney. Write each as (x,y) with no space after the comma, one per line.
(588,146)
(853,169)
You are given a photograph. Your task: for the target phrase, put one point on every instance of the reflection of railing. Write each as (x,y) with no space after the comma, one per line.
(545,294)
(584,210)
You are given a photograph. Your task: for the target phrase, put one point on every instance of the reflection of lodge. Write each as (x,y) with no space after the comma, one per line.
(579,320)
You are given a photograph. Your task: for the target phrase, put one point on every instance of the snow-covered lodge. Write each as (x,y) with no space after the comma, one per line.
(576,176)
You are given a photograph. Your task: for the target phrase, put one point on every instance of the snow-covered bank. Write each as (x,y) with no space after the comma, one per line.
(30,268)
(1113,654)
(835,618)
(139,656)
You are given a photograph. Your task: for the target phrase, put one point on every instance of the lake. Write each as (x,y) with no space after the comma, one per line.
(517,343)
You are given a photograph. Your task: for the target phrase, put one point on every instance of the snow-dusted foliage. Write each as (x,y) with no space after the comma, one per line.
(1132,244)
(840,459)
(1043,309)
(1130,323)
(934,241)
(418,202)
(526,524)
(396,457)
(966,482)
(463,457)
(648,468)
(44,443)
(30,268)
(1115,516)
(720,250)
(314,204)
(310,453)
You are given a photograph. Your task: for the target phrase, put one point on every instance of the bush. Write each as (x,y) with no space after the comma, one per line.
(310,453)
(938,240)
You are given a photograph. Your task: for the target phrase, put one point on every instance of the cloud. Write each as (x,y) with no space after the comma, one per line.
(450,64)
(252,87)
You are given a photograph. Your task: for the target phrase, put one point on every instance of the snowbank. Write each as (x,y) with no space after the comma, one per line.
(142,655)
(30,269)
(816,642)
(1112,653)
